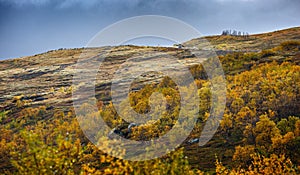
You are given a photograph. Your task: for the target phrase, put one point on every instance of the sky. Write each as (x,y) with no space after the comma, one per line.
(29,27)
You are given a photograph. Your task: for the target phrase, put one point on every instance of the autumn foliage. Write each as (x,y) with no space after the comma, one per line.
(259,132)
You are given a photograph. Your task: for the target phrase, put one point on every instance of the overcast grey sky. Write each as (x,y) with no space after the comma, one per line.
(29,27)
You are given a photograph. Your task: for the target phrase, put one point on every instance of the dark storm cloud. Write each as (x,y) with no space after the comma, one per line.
(31,26)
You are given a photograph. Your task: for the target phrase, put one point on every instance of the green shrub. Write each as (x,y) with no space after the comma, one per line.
(290,45)
(267,53)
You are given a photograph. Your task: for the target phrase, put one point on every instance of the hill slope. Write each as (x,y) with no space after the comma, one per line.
(262,110)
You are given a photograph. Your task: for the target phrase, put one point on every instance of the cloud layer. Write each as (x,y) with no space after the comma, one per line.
(32,26)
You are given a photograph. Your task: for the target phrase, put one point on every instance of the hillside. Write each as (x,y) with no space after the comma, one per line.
(40,134)
(44,79)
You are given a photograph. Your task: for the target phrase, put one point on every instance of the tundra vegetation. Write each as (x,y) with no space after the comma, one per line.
(259,132)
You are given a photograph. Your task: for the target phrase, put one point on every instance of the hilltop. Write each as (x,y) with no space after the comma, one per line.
(251,43)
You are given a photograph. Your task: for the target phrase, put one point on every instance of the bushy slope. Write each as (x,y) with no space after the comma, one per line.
(259,133)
